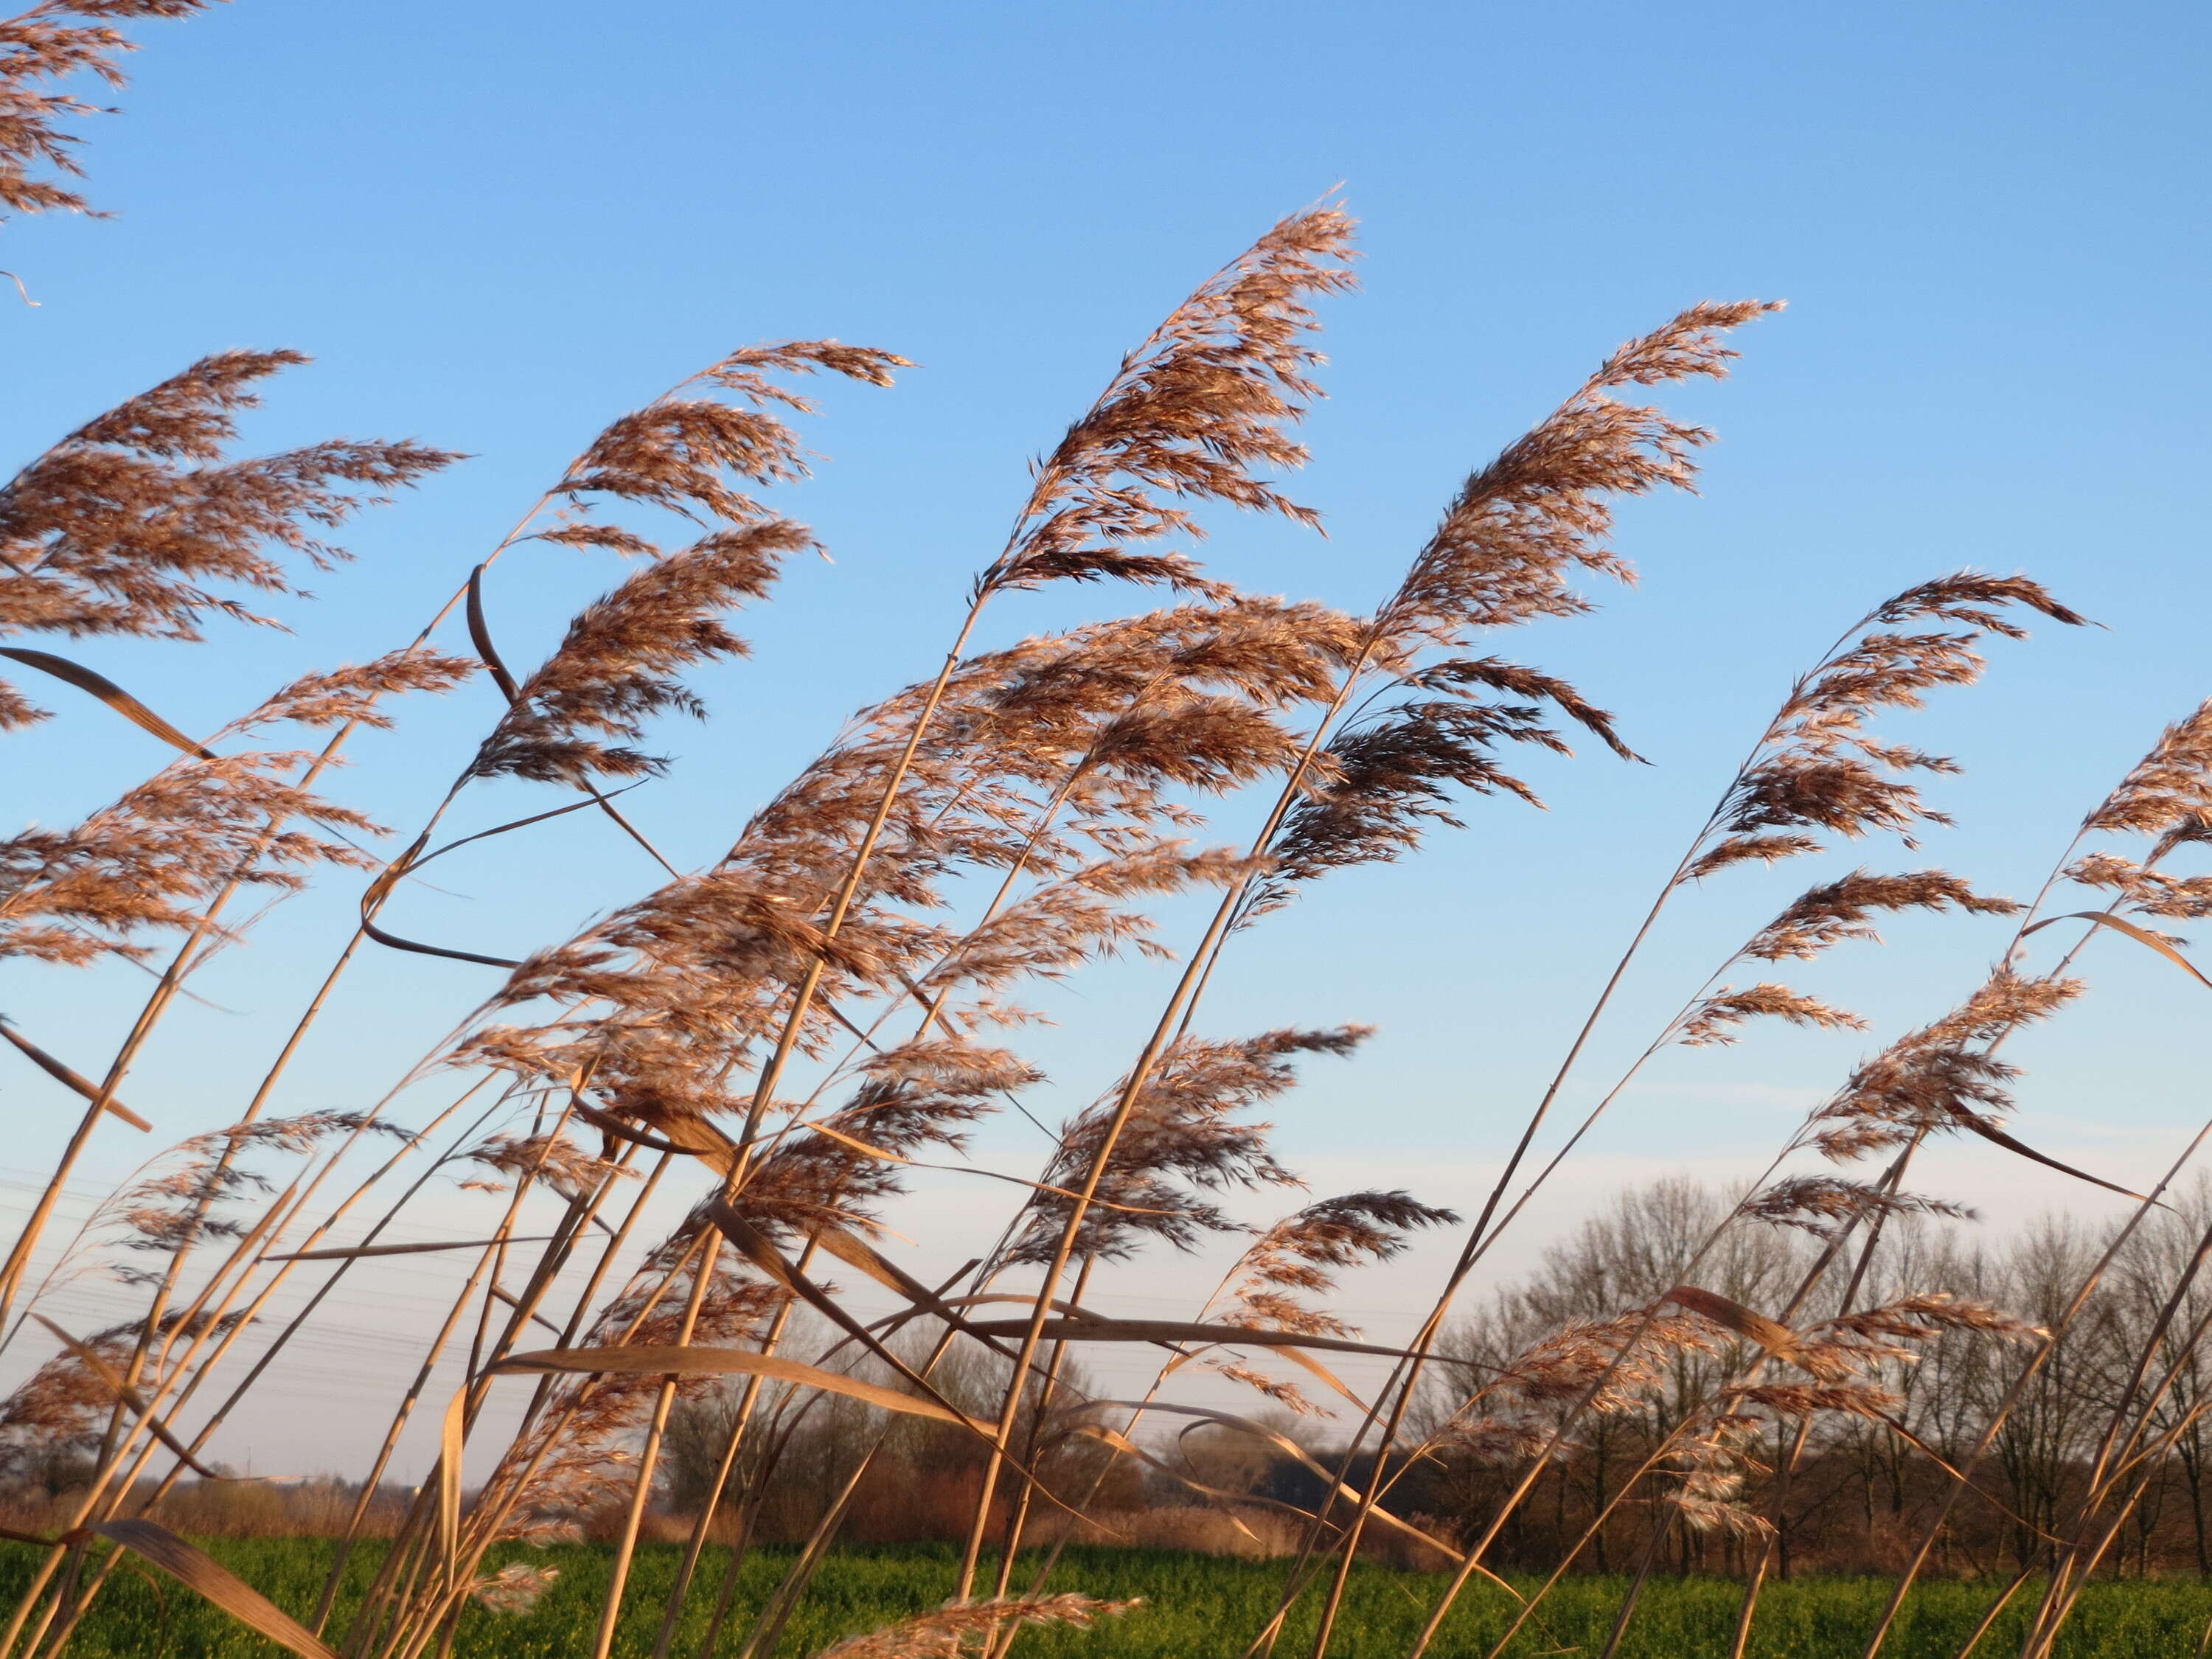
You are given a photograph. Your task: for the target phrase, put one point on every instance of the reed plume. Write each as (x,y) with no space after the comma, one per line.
(615,668)
(53,42)
(133,525)
(154,859)
(1189,416)
(1182,1139)
(1275,1285)
(136,524)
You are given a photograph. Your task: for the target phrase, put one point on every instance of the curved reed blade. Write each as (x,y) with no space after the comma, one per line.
(109,692)
(68,1078)
(1770,1334)
(392,941)
(858,1253)
(480,637)
(1989,1131)
(763,1253)
(689,1137)
(348,1253)
(453,1444)
(1171,1330)
(201,1572)
(1298,1356)
(2141,935)
(659,1361)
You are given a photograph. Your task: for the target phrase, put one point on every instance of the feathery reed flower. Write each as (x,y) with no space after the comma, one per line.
(51,42)
(616,664)
(1182,1138)
(133,523)
(1188,416)
(1942,1076)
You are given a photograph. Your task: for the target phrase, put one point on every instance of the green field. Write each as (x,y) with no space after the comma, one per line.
(1195,1608)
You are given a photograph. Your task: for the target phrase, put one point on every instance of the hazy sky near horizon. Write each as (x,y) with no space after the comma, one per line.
(494,226)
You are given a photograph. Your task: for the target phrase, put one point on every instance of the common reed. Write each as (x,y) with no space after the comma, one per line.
(778,1039)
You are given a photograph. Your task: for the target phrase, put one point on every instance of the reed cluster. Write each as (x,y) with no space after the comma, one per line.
(782,1036)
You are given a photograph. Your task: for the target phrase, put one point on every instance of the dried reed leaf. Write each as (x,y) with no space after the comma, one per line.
(763,1251)
(1989,1131)
(392,941)
(1897,1427)
(599,800)
(197,1571)
(1298,1356)
(347,1253)
(109,692)
(723,1362)
(862,1147)
(689,1137)
(1067,1308)
(859,1252)
(480,637)
(515,1302)
(866,1150)
(1170,1330)
(452,1445)
(67,1078)
(1772,1335)
(856,1252)
(2141,935)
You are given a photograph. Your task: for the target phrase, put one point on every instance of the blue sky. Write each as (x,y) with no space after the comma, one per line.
(495,227)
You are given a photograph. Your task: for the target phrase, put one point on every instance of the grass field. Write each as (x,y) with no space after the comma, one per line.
(1195,1608)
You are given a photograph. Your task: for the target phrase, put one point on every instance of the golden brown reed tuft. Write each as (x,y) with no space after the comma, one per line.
(1818,769)
(1273,1285)
(1523,527)
(2170,788)
(1829,1205)
(1188,416)
(56,41)
(1181,1141)
(1838,910)
(1942,1077)
(159,856)
(132,523)
(616,667)
(516,1587)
